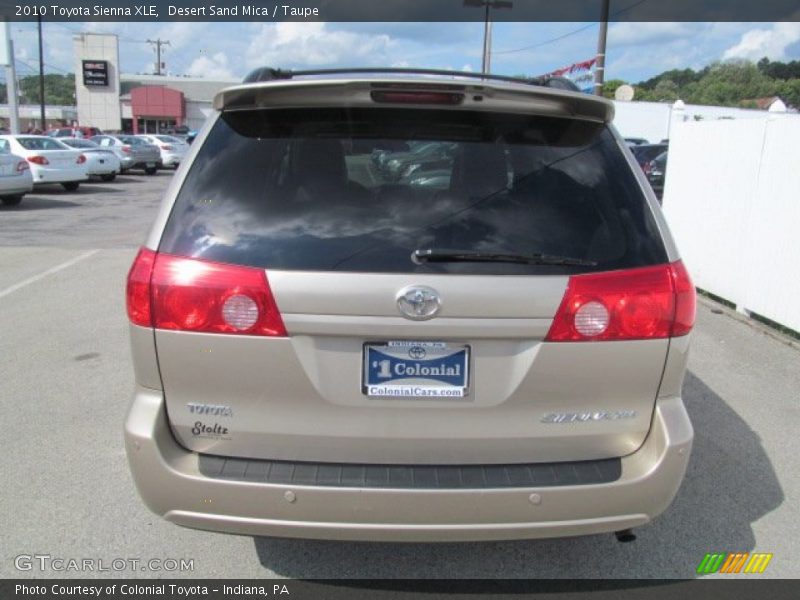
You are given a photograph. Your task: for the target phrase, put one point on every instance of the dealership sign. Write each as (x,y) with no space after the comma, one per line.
(95,73)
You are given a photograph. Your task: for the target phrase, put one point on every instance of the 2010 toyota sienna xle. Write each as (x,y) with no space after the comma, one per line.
(485,345)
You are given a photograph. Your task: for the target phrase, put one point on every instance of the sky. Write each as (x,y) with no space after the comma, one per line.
(636,51)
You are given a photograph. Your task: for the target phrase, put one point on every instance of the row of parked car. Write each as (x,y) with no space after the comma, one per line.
(30,160)
(652,158)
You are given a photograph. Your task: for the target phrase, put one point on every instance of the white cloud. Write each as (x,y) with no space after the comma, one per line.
(290,44)
(772,42)
(630,33)
(211,67)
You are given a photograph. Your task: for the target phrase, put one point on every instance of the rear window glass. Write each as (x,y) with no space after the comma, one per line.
(43,143)
(362,189)
(80,143)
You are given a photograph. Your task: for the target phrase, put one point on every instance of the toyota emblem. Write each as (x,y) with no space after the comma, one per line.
(418,302)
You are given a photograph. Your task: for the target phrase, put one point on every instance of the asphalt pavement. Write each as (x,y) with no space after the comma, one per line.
(65,383)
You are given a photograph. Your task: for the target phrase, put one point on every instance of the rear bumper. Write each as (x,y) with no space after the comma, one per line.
(16,184)
(43,176)
(171,160)
(172,485)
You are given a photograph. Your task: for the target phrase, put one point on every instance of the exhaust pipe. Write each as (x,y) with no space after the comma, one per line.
(625,535)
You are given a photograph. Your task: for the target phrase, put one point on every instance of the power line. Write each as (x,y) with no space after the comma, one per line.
(566,35)
(544,43)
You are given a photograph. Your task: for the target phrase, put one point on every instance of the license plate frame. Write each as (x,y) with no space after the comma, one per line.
(396,369)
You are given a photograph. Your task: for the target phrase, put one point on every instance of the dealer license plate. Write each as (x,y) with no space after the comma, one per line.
(411,369)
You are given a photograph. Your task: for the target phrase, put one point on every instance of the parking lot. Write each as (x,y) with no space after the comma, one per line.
(65,381)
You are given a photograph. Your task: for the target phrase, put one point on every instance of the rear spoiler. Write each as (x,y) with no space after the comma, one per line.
(504,94)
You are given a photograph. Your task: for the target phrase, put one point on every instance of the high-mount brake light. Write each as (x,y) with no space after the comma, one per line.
(633,304)
(186,294)
(413,97)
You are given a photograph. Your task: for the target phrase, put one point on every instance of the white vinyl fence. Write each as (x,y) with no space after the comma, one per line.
(732,199)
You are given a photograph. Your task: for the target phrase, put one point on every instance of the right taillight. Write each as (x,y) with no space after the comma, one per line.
(186,294)
(38,160)
(126,149)
(23,166)
(634,304)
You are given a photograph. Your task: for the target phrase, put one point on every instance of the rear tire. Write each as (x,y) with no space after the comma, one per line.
(151,170)
(108,177)
(12,200)
(71,186)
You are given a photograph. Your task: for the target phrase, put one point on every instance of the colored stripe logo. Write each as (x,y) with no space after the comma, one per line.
(734,563)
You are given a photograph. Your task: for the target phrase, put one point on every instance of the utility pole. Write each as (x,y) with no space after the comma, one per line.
(11,82)
(600,66)
(41,77)
(158,43)
(486,62)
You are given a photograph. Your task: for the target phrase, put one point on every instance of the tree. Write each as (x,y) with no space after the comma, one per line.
(610,87)
(58,89)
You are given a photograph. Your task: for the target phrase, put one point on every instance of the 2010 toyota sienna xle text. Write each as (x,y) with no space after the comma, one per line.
(488,344)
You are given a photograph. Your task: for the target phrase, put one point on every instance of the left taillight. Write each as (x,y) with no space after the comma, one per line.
(186,294)
(137,294)
(23,166)
(81,159)
(634,304)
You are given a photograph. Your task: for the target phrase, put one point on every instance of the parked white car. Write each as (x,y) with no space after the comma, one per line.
(15,177)
(172,149)
(49,160)
(100,162)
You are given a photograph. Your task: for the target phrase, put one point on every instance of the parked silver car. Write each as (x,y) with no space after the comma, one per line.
(321,351)
(133,152)
(172,149)
(15,176)
(100,162)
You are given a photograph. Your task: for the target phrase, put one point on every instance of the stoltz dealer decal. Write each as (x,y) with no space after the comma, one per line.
(215,431)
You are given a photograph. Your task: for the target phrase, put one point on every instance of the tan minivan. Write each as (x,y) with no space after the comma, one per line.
(409,305)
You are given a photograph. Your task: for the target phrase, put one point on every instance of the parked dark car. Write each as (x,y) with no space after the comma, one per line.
(421,156)
(655,170)
(647,152)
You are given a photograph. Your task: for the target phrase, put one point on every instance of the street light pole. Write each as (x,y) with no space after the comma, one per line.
(600,65)
(41,77)
(486,61)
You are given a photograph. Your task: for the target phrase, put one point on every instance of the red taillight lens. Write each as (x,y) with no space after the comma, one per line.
(185,294)
(138,289)
(417,97)
(685,300)
(168,148)
(38,160)
(81,159)
(126,149)
(647,303)
(22,166)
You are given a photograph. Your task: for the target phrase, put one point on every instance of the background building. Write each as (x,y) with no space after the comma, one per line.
(97,97)
(152,103)
(113,101)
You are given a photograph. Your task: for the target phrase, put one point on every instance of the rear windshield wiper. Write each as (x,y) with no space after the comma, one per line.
(423,255)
